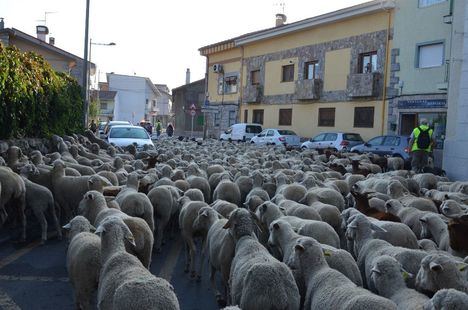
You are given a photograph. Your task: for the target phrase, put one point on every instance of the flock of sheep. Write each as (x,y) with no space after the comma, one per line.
(284,229)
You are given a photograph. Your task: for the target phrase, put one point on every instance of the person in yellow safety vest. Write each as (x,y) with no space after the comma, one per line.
(421,143)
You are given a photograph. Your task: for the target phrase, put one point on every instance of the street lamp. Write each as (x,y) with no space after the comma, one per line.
(91,43)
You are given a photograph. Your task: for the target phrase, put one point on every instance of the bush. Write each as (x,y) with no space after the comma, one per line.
(35,100)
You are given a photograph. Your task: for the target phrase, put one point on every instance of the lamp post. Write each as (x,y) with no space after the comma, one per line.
(91,43)
(85,69)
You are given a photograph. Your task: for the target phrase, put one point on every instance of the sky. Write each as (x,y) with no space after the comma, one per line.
(155,39)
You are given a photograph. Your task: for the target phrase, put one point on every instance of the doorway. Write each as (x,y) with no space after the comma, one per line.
(407,123)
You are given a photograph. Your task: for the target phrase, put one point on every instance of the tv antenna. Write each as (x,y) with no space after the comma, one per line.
(45,17)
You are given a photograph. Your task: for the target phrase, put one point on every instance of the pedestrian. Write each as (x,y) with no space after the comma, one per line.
(421,143)
(149,128)
(158,128)
(93,126)
(170,130)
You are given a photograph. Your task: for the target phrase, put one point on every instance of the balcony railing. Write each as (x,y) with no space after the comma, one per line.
(364,85)
(309,89)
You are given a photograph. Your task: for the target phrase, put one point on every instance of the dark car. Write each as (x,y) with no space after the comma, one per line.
(385,145)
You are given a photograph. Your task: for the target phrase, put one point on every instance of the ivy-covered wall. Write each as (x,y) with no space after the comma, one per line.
(35,100)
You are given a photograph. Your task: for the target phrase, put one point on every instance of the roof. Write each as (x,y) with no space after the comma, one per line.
(13,32)
(151,85)
(107,94)
(320,20)
(186,85)
(163,89)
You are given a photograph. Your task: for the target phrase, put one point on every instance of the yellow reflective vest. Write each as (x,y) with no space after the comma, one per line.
(416,133)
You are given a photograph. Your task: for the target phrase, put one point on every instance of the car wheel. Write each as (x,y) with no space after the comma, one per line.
(397,155)
(251,142)
(230,140)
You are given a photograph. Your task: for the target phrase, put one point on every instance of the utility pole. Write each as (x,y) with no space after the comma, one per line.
(85,70)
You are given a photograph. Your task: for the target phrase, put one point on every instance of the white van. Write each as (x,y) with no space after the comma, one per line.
(240,132)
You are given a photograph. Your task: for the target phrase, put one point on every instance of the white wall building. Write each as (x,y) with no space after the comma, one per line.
(137,97)
(456,142)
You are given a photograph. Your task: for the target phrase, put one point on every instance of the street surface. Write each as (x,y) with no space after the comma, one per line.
(34,276)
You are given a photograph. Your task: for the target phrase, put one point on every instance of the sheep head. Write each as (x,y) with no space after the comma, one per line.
(242,223)
(308,254)
(113,228)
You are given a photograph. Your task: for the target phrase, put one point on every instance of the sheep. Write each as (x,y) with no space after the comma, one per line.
(202,184)
(426,180)
(257,189)
(447,299)
(440,271)
(110,176)
(452,208)
(397,191)
(409,216)
(395,163)
(296,209)
(228,191)
(219,245)
(245,184)
(293,192)
(139,205)
(124,283)
(461,187)
(360,230)
(458,230)
(283,236)
(325,195)
(93,206)
(362,204)
(434,227)
(40,199)
(12,193)
(223,207)
(257,280)
(388,278)
(363,170)
(326,287)
(194,194)
(164,200)
(83,260)
(322,231)
(187,215)
(97,183)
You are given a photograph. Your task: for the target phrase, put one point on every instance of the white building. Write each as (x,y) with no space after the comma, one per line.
(163,104)
(456,142)
(137,97)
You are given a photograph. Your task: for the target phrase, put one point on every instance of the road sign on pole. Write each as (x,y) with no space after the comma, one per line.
(193,112)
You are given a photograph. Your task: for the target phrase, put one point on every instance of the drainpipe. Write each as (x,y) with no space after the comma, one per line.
(241,92)
(387,54)
(205,123)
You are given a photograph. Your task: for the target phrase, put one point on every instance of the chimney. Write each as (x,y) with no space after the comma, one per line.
(42,32)
(187,76)
(51,40)
(280,19)
(2,24)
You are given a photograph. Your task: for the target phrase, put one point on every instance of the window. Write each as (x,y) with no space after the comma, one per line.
(263,133)
(232,117)
(253,129)
(255,77)
(326,117)
(230,84)
(246,116)
(287,73)
(318,138)
(391,141)
(285,117)
(424,3)
(368,62)
(430,55)
(331,137)
(270,133)
(217,119)
(310,70)
(352,137)
(287,132)
(376,141)
(103,105)
(257,117)
(154,103)
(364,117)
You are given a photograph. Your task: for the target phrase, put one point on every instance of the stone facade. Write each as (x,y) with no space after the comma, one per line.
(363,85)
(309,89)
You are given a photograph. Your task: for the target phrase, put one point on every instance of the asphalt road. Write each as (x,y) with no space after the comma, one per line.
(34,276)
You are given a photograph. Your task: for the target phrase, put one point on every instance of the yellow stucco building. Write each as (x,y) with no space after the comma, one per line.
(325,73)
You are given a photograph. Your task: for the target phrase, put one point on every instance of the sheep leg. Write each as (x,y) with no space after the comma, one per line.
(187,262)
(159,235)
(42,221)
(202,255)
(192,252)
(219,298)
(22,206)
(55,219)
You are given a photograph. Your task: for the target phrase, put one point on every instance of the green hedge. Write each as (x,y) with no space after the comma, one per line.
(35,100)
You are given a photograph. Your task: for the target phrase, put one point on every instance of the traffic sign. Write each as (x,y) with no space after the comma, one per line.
(210,109)
(193,107)
(193,112)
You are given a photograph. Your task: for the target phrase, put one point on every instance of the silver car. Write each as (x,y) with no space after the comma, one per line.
(124,135)
(277,137)
(339,141)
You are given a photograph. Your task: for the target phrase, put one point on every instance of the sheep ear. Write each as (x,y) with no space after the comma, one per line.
(257,221)
(100,230)
(376,270)
(435,267)
(276,226)
(299,248)
(90,181)
(129,237)
(377,228)
(228,223)
(283,210)
(204,213)
(67,226)
(423,220)
(92,228)
(462,266)
(90,196)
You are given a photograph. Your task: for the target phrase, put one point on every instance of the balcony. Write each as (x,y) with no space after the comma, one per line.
(364,85)
(308,89)
(253,93)
(106,112)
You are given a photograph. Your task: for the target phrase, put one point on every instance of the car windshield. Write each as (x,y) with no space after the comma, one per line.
(286,132)
(101,126)
(352,137)
(128,132)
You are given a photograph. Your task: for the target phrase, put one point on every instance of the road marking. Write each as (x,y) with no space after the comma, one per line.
(11,258)
(32,278)
(171,261)
(6,302)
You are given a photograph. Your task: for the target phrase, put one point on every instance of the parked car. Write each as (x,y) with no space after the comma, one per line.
(340,141)
(124,135)
(272,136)
(101,127)
(385,145)
(109,126)
(240,132)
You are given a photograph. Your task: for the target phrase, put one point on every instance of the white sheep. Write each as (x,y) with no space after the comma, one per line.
(388,278)
(83,260)
(324,195)
(409,216)
(446,299)
(326,287)
(124,283)
(228,191)
(223,207)
(452,208)
(397,191)
(257,279)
